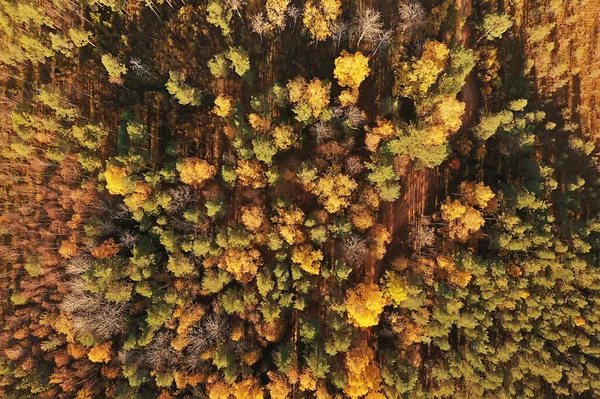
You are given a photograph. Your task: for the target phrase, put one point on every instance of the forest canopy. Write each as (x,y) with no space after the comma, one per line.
(286,199)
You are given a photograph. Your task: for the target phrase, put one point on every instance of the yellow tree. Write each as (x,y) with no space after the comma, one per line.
(364,376)
(309,99)
(308,258)
(476,194)
(414,78)
(277,12)
(333,190)
(318,17)
(223,105)
(242,264)
(196,171)
(364,304)
(117,181)
(351,69)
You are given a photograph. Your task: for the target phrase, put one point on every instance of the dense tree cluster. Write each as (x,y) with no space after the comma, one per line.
(276,199)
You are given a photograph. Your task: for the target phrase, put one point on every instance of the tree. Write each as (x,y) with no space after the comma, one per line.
(319,16)
(370,25)
(219,15)
(118,181)
(184,93)
(412,16)
(494,26)
(309,99)
(364,304)
(364,376)
(351,69)
(223,106)
(196,171)
(490,123)
(414,79)
(307,258)
(277,12)
(218,66)
(240,62)
(333,190)
(242,264)
(115,68)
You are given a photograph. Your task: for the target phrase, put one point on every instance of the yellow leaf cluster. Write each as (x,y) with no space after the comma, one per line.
(415,78)
(251,174)
(383,131)
(380,237)
(223,105)
(364,376)
(314,95)
(351,69)
(452,210)
(68,249)
(444,119)
(361,216)
(334,190)
(284,136)
(242,264)
(218,390)
(249,388)
(288,220)
(476,194)
(141,194)
(252,217)
(307,258)
(188,316)
(100,353)
(307,381)
(258,123)
(196,171)
(276,12)
(117,181)
(319,15)
(462,220)
(348,97)
(364,304)
(279,387)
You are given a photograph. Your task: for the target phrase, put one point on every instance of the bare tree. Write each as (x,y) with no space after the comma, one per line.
(370,25)
(412,16)
(354,165)
(354,117)
(383,41)
(128,239)
(322,132)
(139,69)
(421,234)
(92,313)
(160,355)
(294,13)
(236,5)
(355,250)
(259,24)
(339,31)
(79,265)
(181,196)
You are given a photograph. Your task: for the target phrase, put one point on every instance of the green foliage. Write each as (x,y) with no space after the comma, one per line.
(183,92)
(490,123)
(494,25)
(114,67)
(219,15)
(240,61)
(218,66)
